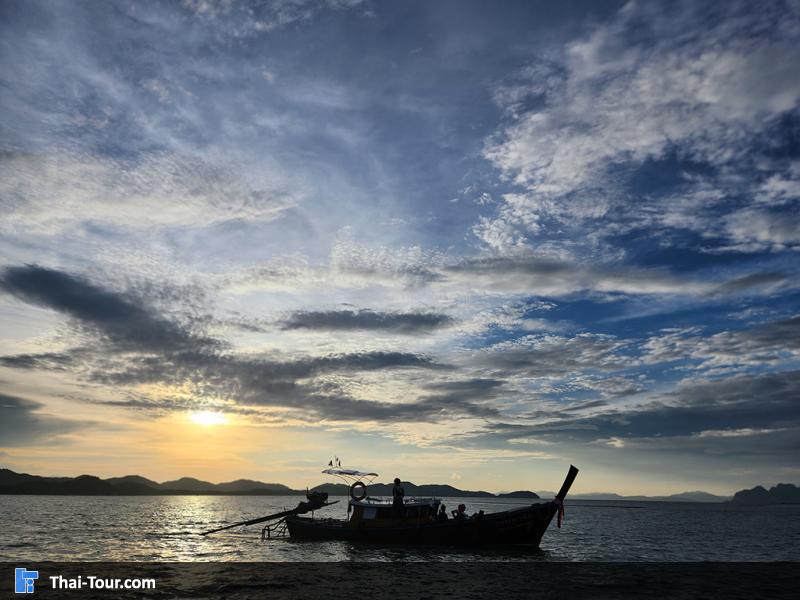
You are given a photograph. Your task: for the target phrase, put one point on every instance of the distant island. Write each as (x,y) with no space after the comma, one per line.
(520,494)
(696,496)
(783,493)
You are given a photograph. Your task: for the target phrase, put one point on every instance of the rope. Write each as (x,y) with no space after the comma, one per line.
(560,504)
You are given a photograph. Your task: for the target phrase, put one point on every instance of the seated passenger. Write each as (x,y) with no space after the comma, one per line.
(442,516)
(460,514)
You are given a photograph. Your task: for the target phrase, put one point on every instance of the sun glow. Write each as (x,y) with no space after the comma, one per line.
(207,418)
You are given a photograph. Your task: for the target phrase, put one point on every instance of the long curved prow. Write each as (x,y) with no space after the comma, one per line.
(562,493)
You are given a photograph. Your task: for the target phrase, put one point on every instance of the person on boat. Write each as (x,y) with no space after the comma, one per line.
(442,516)
(461,513)
(398,493)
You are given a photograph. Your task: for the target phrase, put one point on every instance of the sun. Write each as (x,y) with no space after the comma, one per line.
(207,418)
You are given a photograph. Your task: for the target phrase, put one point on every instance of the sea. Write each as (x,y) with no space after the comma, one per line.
(167,528)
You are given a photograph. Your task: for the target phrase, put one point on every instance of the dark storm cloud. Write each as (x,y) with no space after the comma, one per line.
(121,319)
(397,322)
(21,424)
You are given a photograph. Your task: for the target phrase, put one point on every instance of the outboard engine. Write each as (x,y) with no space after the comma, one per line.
(315,500)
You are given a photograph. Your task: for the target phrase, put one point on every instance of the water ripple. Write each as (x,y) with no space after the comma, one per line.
(166,528)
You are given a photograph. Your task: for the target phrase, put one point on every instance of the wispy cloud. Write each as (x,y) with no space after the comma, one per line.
(24,423)
(734,407)
(706,84)
(407,323)
(490,233)
(773,342)
(120,319)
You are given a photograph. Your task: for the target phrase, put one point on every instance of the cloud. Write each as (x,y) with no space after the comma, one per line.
(271,193)
(50,361)
(757,229)
(545,276)
(473,397)
(309,405)
(703,412)
(767,280)
(606,386)
(553,355)
(764,344)
(121,319)
(515,278)
(511,316)
(140,346)
(290,384)
(241,20)
(467,388)
(705,83)
(49,193)
(22,423)
(365,319)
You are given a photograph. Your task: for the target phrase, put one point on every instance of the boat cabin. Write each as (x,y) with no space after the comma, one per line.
(371,509)
(364,511)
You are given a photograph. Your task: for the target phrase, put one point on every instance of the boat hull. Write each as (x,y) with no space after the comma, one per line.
(521,526)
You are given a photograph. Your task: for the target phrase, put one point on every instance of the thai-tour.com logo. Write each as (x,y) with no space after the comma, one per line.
(23,580)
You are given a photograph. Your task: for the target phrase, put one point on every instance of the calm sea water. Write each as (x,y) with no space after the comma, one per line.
(165,528)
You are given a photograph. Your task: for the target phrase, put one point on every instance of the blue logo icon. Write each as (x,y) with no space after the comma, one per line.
(23,580)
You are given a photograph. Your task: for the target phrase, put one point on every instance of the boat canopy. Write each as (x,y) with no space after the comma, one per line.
(383,503)
(349,473)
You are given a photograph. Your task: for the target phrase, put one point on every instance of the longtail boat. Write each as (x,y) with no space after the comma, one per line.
(376,520)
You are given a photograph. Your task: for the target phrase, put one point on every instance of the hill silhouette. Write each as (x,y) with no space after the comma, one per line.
(783,493)
(136,485)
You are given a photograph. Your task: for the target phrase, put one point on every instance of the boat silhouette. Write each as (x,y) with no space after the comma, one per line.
(376,520)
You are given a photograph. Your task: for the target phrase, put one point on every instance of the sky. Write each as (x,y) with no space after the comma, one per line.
(457,242)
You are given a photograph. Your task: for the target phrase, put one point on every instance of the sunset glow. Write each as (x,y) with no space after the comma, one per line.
(240,238)
(208,418)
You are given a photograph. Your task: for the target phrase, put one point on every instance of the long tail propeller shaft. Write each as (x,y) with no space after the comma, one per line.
(314,502)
